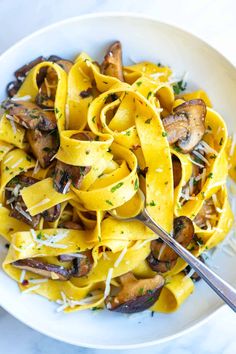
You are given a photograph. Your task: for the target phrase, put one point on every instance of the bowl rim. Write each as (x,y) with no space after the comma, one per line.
(139,16)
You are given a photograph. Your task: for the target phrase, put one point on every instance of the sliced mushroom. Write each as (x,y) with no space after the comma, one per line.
(162,257)
(14,199)
(29,115)
(135,295)
(65,64)
(186,125)
(195,277)
(18,207)
(44,145)
(71,225)
(13,87)
(82,265)
(112,63)
(207,209)
(23,70)
(67,174)
(46,270)
(52,214)
(177,170)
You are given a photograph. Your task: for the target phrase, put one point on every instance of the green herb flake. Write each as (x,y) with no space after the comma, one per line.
(7,168)
(164,134)
(152,203)
(139,83)
(93,119)
(177,148)
(117,186)
(149,95)
(109,202)
(39,236)
(136,184)
(221,141)
(179,87)
(148,121)
(213,156)
(28,158)
(210,175)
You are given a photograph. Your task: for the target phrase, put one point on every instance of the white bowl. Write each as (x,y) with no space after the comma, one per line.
(142,38)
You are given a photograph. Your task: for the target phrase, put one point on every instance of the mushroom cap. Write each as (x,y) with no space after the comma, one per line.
(186,125)
(112,63)
(135,295)
(162,257)
(44,269)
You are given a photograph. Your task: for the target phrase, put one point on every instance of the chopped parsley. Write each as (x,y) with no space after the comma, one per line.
(139,83)
(93,119)
(148,121)
(109,202)
(128,133)
(149,95)
(164,134)
(152,203)
(210,175)
(179,87)
(117,186)
(136,184)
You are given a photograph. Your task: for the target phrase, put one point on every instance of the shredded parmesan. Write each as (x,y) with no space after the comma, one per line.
(159,170)
(108,281)
(232,145)
(121,256)
(144,243)
(33,288)
(17,163)
(22,276)
(8,159)
(65,189)
(50,240)
(205,147)
(37,281)
(36,167)
(44,201)
(196,163)
(22,98)
(200,156)
(22,212)
(156,75)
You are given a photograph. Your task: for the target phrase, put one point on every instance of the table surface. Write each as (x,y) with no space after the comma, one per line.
(212,20)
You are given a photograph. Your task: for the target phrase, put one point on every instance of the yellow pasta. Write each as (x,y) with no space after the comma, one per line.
(108,127)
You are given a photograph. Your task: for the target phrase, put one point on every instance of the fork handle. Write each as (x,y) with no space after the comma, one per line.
(221,287)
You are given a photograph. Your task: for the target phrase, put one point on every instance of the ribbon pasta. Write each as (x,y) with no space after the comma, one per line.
(116,129)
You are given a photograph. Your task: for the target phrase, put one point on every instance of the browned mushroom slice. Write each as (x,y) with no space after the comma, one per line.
(82,264)
(177,170)
(160,267)
(186,125)
(13,198)
(12,88)
(112,63)
(52,213)
(195,276)
(135,295)
(71,225)
(44,145)
(207,209)
(44,269)
(65,64)
(23,70)
(183,233)
(162,258)
(67,174)
(29,115)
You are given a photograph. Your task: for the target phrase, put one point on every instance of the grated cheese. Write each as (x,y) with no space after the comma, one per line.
(50,240)
(22,212)
(17,163)
(22,98)
(66,187)
(144,243)
(37,281)
(22,276)
(36,167)
(44,201)
(159,170)
(33,288)
(121,256)
(8,159)
(201,157)
(232,145)
(205,147)
(156,75)
(195,163)
(107,283)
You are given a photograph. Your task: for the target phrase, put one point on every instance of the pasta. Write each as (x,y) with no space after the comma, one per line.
(77,143)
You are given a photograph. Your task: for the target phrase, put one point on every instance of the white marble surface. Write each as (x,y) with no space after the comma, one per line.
(212,20)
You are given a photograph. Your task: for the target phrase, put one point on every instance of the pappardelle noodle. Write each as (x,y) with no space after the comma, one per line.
(78,140)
